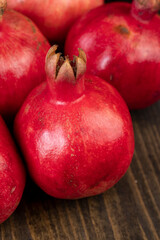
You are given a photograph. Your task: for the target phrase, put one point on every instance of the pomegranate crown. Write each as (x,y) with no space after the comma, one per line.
(144,10)
(153,5)
(63,69)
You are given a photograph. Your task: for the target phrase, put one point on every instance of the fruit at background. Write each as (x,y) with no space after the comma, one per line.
(22,59)
(54,17)
(12,174)
(75,131)
(122,44)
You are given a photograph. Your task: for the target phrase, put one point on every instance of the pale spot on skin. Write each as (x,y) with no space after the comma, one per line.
(143,50)
(3,164)
(27,109)
(103,59)
(17,64)
(29,130)
(13,189)
(72,149)
(87,40)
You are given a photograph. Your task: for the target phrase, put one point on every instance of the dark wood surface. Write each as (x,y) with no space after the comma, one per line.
(130,210)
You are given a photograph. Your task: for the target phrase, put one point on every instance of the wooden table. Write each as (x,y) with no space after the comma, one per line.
(130,210)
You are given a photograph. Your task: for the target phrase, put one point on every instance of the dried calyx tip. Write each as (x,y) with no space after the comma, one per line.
(78,64)
(82,54)
(51,51)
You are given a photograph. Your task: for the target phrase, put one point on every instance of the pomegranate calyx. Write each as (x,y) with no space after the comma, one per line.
(3,6)
(64,69)
(145,9)
(153,5)
(65,77)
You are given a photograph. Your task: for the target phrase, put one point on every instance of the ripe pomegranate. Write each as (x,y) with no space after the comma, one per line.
(54,17)
(12,174)
(122,43)
(22,59)
(75,131)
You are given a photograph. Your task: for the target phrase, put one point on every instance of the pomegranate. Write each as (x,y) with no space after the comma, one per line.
(122,44)
(12,174)
(75,131)
(22,59)
(54,17)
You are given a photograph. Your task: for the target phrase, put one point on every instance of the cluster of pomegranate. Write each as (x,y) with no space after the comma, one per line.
(73,127)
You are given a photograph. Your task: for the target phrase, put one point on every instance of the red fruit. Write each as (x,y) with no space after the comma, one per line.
(22,57)
(122,43)
(75,131)
(54,17)
(12,174)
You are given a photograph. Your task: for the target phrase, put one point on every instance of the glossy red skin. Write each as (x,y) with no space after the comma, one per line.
(22,60)
(77,148)
(54,17)
(128,58)
(12,174)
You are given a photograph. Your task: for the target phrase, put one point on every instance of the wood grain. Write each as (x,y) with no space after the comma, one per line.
(128,211)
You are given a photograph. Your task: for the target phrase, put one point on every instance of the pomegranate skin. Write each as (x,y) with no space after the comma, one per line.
(122,50)
(12,174)
(22,60)
(75,145)
(54,17)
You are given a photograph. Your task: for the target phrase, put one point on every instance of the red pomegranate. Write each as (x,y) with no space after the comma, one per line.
(75,131)
(122,43)
(22,59)
(54,17)
(12,174)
